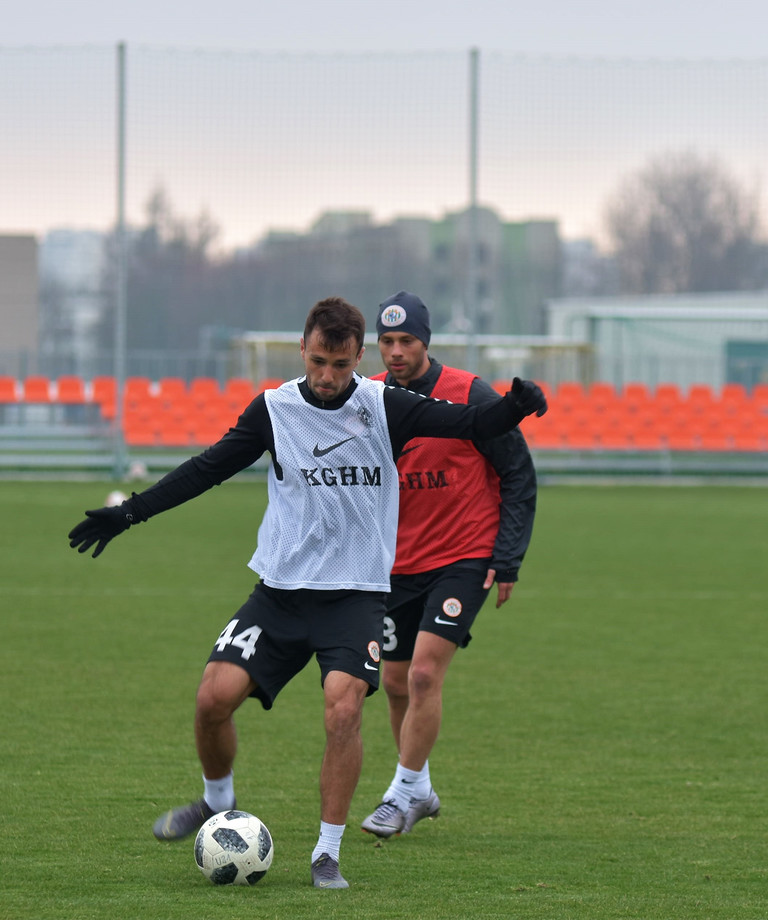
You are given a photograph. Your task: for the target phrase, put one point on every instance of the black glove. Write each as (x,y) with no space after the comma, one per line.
(527,397)
(99,527)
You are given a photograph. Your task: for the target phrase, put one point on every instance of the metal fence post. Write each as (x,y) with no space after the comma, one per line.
(473,242)
(120,461)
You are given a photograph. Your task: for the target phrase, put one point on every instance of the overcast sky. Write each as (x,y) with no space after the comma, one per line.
(627,28)
(580,93)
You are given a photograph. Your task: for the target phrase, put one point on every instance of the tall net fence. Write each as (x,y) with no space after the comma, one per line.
(559,135)
(262,142)
(305,175)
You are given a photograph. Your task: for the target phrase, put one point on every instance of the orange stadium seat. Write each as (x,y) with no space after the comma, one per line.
(207,429)
(614,428)
(667,394)
(180,409)
(580,438)
(681,437)
(173,433)
(749,440)
(37,389)
(733,392)
(699,400)
(140,432)
(646,438)
(568,394)
(104,394)
(70,389)
(635,393)
(137,389)
(601,396)
(613,438)
(103,389)
(759,394)
(634,399)
(269,383)
(8,389)
(203,390)
(171,389)
(542,433)
(238,393)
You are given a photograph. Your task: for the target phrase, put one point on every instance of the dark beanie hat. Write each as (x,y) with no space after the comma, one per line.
(404,312)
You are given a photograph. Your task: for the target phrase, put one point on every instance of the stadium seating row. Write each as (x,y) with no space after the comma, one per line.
(172,412)
(598,417)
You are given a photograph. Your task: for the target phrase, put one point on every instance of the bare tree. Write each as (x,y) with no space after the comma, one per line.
(170,279)
(683,223)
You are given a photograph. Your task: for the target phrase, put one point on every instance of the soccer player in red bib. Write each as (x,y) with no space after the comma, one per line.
(466,518)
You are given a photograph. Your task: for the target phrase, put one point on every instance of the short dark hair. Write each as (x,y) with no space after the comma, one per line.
(337,321)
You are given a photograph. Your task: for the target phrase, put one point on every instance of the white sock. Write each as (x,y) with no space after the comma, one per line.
(220,793)
(329,840)
(408,784)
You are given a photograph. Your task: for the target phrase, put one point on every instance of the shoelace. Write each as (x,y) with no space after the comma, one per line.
(386,810)
(326,867)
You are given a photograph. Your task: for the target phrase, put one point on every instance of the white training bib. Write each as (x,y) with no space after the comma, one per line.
(331,522)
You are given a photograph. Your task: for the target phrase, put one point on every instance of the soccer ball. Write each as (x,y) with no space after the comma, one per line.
(234,848)
(115,498)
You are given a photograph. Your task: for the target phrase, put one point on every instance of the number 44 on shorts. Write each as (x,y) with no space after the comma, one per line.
(245,640)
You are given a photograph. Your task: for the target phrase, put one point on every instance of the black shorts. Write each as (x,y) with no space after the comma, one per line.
(275,633)
(444,601)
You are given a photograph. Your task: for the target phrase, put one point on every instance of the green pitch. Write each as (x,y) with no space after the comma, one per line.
(603,753)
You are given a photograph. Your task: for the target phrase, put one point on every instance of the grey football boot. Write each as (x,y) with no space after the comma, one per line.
(183,821)
(325,873)
(421,808)
(386,821)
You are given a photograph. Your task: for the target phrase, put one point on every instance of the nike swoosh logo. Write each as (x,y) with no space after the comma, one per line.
(443,622)
(322,451)
(371,667)
(407,450)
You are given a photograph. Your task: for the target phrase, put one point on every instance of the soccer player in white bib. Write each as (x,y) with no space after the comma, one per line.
(323,554)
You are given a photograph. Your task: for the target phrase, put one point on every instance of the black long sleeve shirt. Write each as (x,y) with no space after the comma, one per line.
(408,415)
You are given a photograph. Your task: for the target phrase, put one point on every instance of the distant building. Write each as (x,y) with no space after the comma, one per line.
(588,272)
(517,268)
(71,272)
(684,339)
(19,318)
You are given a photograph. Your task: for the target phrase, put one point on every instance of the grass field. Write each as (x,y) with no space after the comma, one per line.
(603,754)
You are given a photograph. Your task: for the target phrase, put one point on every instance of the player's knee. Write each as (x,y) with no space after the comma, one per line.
(343,716)
(422,680)
(206,705)
(211,704)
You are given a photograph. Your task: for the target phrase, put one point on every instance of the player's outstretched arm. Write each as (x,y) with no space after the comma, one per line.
(99,527)
(410,415)
(528,397)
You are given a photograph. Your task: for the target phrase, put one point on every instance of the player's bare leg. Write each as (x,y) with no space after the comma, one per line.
(420,725)
(394,680)
(222,690)
(343,757)
(340,772)
(415,694)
